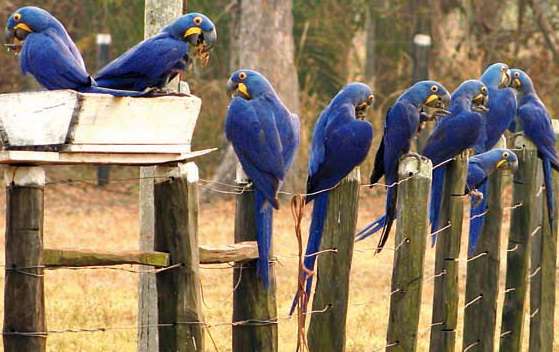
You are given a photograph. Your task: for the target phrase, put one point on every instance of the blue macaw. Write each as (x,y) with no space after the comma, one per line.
(265,137)
(480,167)
(401,125)
(159,59)
(341,141)
(453,135)
(536,124)
(48,53)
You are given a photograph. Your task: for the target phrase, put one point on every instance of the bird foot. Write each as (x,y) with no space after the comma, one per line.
(163,92)
(477,197)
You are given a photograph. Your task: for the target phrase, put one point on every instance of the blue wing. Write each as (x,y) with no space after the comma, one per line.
(346,145)
(52,64)
(476,175)
(536,124)
(148,64)
(257,143)
(502,109)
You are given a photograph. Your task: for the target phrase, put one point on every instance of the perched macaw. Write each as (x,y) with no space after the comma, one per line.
(536,124)
(502,105)
(401,125)
(341,141)
(453,135)
(157,60)
(48,53)
(265,136)
(480,167)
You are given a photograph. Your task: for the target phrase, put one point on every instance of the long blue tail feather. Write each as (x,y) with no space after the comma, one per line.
(371,228)
(548,179)
(437,186)
(477,219)
(263,213)
(320,207)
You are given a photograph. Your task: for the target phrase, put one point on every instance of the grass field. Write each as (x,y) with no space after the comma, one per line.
(82,216)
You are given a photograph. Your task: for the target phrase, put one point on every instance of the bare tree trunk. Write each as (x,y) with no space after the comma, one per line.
(540,8)
(262,39)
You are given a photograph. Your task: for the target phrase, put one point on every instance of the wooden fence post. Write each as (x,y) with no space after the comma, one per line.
(446,293)
(251,300)
(176,232)
(482,278)
(542,279)
(524,223)
(327,330)
(157,14)
(411,235)
(24,300)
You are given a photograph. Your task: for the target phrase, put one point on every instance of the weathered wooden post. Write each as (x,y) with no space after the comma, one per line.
(251,300)
(176,232)
(24,300)
(103,41)
(524,224)
(157,14)
(411,235)
(482,279)
(446,293)
(327,330)
(543,279)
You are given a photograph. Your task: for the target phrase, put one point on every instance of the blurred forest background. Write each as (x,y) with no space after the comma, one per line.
(310,48)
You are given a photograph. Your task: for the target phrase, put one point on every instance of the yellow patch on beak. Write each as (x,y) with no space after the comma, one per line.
(192,30)
(242,88)
(24,27)
(516,83)
(432,98)
(501,163)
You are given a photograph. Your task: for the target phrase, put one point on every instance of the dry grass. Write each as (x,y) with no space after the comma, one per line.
(84,217)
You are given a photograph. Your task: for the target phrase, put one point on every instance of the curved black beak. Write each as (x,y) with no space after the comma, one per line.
(231,87)
(209,38)
(480,103)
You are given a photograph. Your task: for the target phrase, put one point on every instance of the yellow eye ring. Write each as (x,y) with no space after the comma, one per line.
(434,89)
(197,20)
(17,17)
(242,76)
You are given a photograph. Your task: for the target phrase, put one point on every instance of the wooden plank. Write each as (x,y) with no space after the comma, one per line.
(236,252)
(178,290)
(36,118)
(251,300)
(543,278)
(78,258)
(524,222)
(483,272)
(127,148)
(327,331)
(64,158)
(446,292)
(407,272)
(24,300)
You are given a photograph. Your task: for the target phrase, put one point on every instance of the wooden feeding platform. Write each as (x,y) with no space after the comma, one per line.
(67,127)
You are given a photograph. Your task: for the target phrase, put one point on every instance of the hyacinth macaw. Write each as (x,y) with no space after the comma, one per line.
(265,136)
(157,60)
(453,135)
(480,167)
(48,53)
(341,141)
(536,124)
(401,125)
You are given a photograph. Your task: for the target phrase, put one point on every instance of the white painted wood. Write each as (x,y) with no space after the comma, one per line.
(63,158)
(36,118)
(65,116)
(127,148)
(24,176)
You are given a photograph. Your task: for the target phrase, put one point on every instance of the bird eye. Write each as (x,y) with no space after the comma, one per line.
(371,99)
(516,75)
(17,17)
(434,89)
(503,68)
(198,20)
(505,155)
(242,76)
(484,90)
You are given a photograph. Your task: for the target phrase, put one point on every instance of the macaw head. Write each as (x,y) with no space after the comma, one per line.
(504,159)
(357,94)
(496,76)
(196,29)
(430,97)
(248,84)
(24,21)
(521,81)
(472,93)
